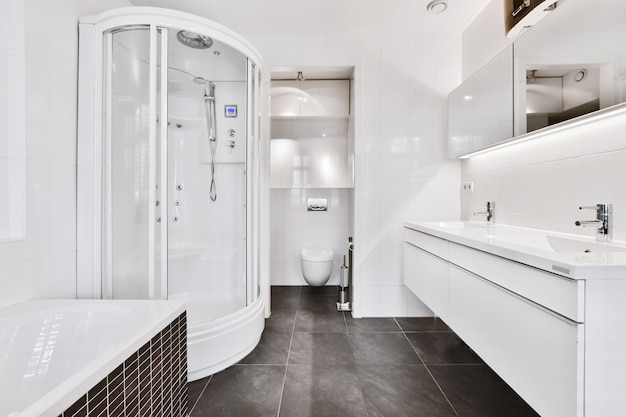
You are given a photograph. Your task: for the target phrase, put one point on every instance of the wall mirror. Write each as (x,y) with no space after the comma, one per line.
(571,63)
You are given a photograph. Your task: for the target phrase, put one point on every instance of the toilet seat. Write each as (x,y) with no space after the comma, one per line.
(316,254)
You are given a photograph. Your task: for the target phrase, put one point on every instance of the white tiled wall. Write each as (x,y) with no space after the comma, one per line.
(542,183)
(293,227)
(306,153)
(402,171)
(43,264)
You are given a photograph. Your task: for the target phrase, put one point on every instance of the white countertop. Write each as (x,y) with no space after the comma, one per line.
(559,253)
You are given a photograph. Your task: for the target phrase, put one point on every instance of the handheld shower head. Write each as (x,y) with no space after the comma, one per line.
(209,86)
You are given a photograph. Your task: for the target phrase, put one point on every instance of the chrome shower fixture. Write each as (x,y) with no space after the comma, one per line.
(209,86)
(194,40)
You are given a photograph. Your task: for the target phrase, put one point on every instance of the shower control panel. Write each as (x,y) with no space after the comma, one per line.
(230,110)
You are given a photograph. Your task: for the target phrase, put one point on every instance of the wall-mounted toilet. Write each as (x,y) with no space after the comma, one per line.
(317,265)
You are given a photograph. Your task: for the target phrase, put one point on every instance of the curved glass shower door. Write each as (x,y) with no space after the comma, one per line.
(178,186)
(207,96)
(133,236)
(168,182)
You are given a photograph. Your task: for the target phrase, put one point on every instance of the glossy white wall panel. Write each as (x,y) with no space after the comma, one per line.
(394,50)
(12,284)
(605,372)
(51,110)
(484,38)
(325,98)
(310,163)
(48,25)
(5,191)
(598,138)
(293,227)
(385,301)
(4,106)
(50,276)
(285,99)
(391,257)
(50,78)
(563,171)
(364,47)
(50,209)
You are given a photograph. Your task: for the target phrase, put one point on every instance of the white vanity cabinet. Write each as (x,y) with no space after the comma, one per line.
(534,350)
(558,341)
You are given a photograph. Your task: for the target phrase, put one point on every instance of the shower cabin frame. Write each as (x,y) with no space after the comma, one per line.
(94,104)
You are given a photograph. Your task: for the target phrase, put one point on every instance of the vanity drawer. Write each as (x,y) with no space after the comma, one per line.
(429,243)
(538,353)
(561,295)
(427,277)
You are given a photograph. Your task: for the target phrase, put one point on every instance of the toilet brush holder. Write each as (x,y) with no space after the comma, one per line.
(343,304)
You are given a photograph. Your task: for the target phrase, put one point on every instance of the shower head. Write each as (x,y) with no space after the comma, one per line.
(194,40)
(209,86)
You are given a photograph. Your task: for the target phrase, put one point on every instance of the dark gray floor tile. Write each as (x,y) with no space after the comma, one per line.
(402,391)
(195,389)
(326,289)
(422,324)
(281,321)
(370,325)
(382,349)
(321,348)
(273,349)
(242,391)
(322,303)
(322,391)
(442,348)
(312,321)
(477,391)
(285,298)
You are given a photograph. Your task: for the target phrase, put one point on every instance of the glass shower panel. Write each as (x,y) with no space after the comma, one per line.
(127,192)
(207,96)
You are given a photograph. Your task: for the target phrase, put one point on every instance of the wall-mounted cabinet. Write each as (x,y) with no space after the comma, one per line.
(570,64)
(310,135)
(480,111)
(314,98)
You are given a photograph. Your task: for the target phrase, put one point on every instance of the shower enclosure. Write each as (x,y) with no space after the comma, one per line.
(168,173)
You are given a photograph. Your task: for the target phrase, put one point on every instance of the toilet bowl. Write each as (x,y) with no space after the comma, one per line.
(317,265)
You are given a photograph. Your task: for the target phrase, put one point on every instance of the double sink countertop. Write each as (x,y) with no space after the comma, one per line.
(568,255)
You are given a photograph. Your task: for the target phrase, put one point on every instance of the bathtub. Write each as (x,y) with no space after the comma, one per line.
(61,356)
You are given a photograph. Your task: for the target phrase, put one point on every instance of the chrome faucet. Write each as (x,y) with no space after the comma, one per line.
(603,221)
(490,213)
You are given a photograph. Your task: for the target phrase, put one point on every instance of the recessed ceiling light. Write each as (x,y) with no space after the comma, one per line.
(437,6)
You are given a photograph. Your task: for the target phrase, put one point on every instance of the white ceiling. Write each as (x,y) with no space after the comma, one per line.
(294,17)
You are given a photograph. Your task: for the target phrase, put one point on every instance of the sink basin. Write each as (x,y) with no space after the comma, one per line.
(463,225)
(563,245)
(556,244)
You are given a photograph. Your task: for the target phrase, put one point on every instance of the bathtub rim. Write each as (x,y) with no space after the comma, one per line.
(157,313)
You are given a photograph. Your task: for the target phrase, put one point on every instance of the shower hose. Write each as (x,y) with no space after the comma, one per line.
(211,117)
